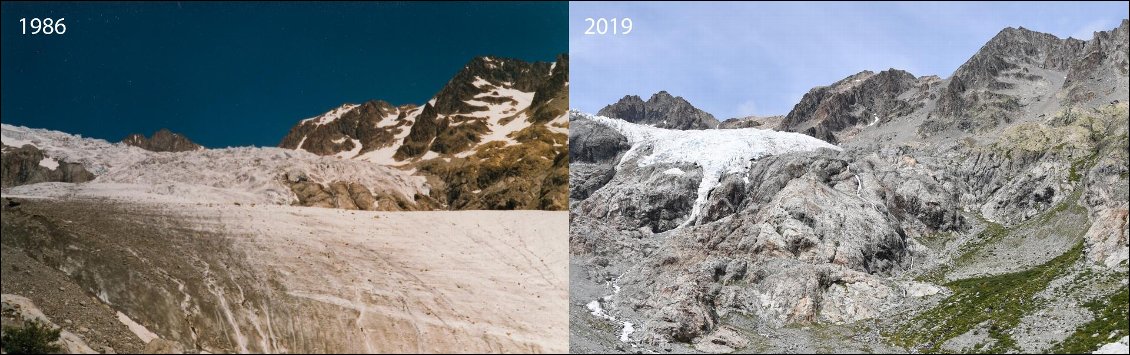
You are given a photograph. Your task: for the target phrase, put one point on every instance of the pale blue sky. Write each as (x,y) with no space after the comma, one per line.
(738,59)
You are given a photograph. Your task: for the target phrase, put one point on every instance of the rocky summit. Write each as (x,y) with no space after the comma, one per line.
(983,212)
(494,137)
(860,100)
(661,110)
(162,141)
(768,122)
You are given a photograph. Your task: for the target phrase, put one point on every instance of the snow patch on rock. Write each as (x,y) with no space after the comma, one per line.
(141,331)
(50,164)
(598,311)
(673,171)
(1122,346)
(333,115)
(352,152)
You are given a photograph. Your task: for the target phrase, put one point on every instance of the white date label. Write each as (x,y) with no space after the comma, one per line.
(605,26)
(43,26)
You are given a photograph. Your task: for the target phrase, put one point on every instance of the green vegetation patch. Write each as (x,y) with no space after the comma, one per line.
(993,232)
(999,301)
(1109,325)
(1080,167)
(32,338)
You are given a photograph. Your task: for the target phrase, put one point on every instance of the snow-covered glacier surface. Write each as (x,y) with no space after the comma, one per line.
(243,174)
(717,151)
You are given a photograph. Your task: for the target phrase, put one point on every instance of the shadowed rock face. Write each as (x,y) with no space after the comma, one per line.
(661,110)
(858,100)
(162,141)
(28,165)
(594,151)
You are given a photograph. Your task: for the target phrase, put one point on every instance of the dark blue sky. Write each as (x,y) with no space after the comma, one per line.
(235,74)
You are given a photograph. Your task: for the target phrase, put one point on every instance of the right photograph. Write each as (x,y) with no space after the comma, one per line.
(849,177)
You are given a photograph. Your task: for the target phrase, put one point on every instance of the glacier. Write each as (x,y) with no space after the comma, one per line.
(717,151)
(227,175)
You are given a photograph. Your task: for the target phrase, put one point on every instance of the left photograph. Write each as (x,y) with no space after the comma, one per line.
(285,177)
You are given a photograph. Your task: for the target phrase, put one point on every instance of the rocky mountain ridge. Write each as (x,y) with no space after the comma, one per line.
(1017,76)
(494,137)
(1000,229)
(661,110)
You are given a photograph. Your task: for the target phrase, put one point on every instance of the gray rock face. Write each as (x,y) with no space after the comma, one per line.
(798,239)
(594,151)
(833,237)
(865,98)
(1020,68)
(644,198)
(28,165)
(1099,75)
(1020,75)
(817,237)
(661,110)
(769,122)
(162,141)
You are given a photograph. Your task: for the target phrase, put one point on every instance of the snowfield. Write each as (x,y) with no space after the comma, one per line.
(245,175)
(717,151)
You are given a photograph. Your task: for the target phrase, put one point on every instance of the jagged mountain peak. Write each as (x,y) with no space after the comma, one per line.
(661,110)
(487,88)
(1018,75)
(859,100)
(163,140)
(492,107)
(488,74)
(1019,68)
(631,99)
